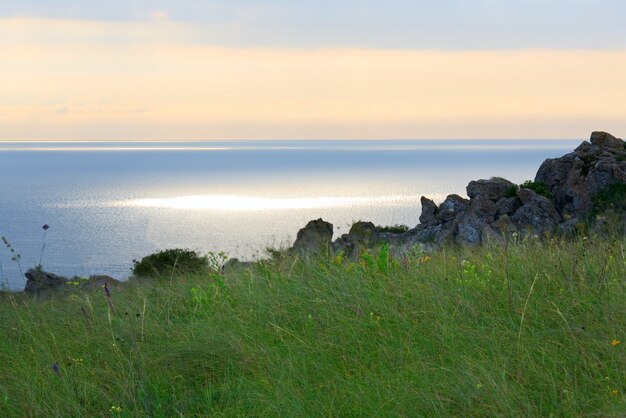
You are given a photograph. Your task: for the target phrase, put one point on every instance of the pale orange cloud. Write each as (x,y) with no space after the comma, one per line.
(151,80)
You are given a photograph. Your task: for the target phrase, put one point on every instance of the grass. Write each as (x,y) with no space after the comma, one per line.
(527,329)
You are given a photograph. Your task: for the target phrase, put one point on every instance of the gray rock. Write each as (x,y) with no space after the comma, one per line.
(504,226)
(429,212)
(362,235)
(451,208)
(604,139)
(576,177)
(537,213)
(41,282)
(468,229)
(433,236)
(495,188)
(507,206)
(483,208)
(314,238)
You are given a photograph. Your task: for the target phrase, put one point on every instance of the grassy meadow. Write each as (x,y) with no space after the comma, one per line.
(527,329)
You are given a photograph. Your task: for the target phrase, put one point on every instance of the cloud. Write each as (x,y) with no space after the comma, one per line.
(147,80)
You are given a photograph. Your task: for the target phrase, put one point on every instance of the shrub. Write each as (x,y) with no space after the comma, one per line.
(538,187)
(166,262)
(396,229)
(511,191)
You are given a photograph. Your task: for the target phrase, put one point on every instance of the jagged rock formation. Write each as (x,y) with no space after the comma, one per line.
(495,207)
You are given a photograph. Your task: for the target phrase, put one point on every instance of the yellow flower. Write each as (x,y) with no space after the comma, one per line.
(615,343)
(614,392)
(116,409)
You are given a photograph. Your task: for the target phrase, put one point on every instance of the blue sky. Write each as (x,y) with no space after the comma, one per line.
(403,24)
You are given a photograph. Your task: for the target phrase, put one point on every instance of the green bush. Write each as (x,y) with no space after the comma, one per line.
(538,187)
(166,262)
(396,229)
(511,191)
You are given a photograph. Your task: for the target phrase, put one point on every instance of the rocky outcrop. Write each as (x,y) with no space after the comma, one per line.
(575,178)
(40,282)
(563,195)
(314,238)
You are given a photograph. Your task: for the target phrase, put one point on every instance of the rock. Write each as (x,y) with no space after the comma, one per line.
(490,214)
(468,228)
(363,235)
(483,208)
(507,206)
(576,177)
(435,235)
(451,208)
(42,282)
(314,238)
(604,139)
(96,281)
(537,213)
(429,212)
(495,188)
(38,280)
(504,226)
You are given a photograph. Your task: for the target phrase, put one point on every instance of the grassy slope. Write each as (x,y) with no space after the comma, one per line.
(521,331)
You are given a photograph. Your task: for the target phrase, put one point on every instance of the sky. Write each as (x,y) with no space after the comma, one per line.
(191,69)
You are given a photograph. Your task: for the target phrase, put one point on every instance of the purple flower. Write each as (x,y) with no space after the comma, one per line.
(55,367)
(46,227)
(106,290)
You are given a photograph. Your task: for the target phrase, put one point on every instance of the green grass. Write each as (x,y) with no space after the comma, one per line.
(520,330)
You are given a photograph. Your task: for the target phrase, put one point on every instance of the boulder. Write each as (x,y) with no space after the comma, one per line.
(483,208)
(314,238)
(467,230)
(38,280)
(537,213)
(433,236)
(41,282)
(507,206)
(363,235)
(451,208)
(604,139)
(429,212)
(495,188)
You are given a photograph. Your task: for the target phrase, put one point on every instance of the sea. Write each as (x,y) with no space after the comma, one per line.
(109,203)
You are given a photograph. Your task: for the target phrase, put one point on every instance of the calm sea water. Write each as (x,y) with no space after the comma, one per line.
(109,203)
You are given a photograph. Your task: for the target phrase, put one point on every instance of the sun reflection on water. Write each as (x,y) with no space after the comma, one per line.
(251,204)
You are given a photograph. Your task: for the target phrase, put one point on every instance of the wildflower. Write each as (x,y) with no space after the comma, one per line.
(614,392)
(615,343)
(107,291)
(479,385)
(116,409)
(45,228)
(425,259)
(55,367)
